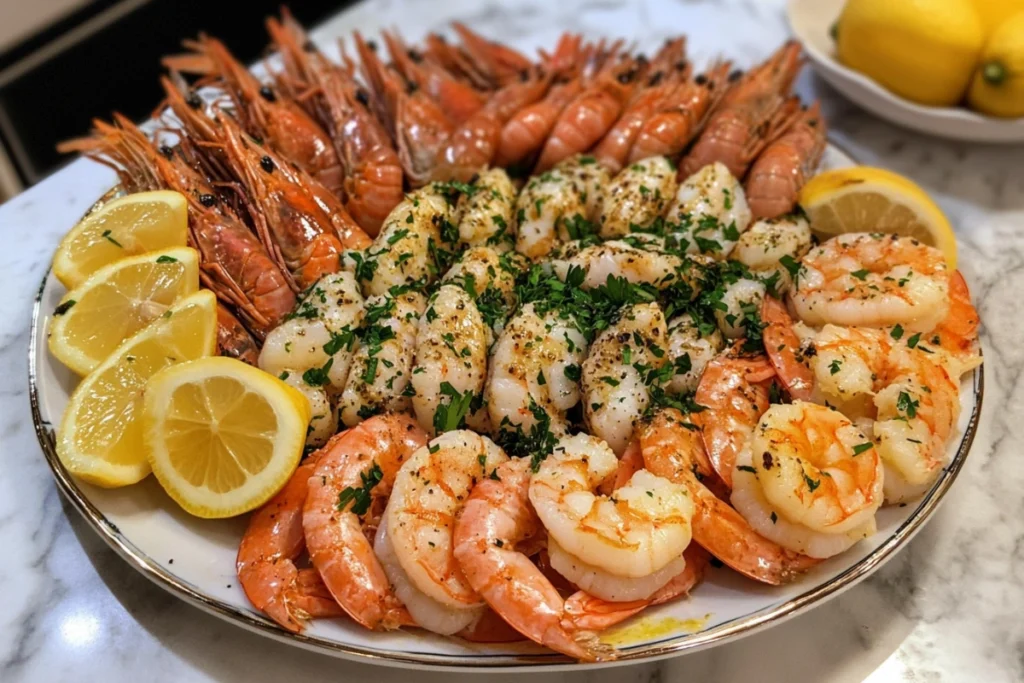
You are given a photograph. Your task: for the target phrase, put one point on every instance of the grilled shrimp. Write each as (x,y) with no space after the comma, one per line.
(873,280)
(548,210)
(810,480)
(589,116)
(752,114)
(774,245)
(673,449)
(590,179)
(625,548)
(711,211)
(234,264)
(785,165)
(486,215)
(411,239)
(353,476)
(265,113)
(429,491)
(637,197)
(691,346)
(319,336)
(381,370)
(533,373)
(451,360)
(619,259)
(266,559)
(615,375)
(489,277)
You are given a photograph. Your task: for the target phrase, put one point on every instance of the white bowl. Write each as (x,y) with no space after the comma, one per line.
(810,21)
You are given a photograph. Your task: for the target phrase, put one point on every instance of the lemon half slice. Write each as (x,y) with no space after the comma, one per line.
(117,301)
(222,436)
(866,199)
(126,226)
(100,435)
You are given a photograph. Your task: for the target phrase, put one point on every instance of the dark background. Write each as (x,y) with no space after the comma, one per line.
(114,67)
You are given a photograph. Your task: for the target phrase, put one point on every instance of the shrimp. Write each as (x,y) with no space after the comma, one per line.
(266,114)
(786,350)
(958,332)
(637,198)
(233,340)
(549,209)
(233,264)
(496,521)
(692,344)
(489,278)
(499,63)
(681,115)
(429,490)
(810,480)
(751,115)
(672,448)
(451,360)
(355,472)
(615,391)
(740,300)
(622,548)
(486,214)
(472,145)
(711,211)
(590,180)
(775,245)
(873,280)
(378,380)
(323,423)
(619,259)
(266,559)
(591,114)
(786,164)
(734,394)
(530,374)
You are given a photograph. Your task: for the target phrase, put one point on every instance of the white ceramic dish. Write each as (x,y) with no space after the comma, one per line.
(811,20)
(195,559)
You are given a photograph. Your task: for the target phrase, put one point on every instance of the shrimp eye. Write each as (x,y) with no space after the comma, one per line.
(625,77)
(680,65)
(363,97)
(412,87)
(700,79)
(415,56)
(655,78)
(736,75)
(207,200)
(524,75)
(193,100)
(167,151)
(372,44)
(267,164)
(267,94)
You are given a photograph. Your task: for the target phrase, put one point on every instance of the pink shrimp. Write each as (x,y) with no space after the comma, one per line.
(785,351)
(352,478)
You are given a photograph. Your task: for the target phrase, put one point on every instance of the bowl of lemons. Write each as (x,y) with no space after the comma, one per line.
(951,68)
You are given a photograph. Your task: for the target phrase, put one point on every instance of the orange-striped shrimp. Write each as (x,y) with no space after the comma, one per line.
(352,479)
(785,350)
(671,448)
(958,332)
(495,523)
(752,114)
(785,165)
(265,113)
(266,558)
(589,117)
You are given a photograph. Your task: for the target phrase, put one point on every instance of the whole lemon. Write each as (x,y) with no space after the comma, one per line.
(998,84)
(994,12)
(923,50)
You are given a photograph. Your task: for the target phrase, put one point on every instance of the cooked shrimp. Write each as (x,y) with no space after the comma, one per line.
(637,197)
(489,277)
(487,214)
(266,559)
(692,344)
(774,245)
(533,372)
(786,164)
(734,393)
(619,259)
(233,340)
(873,280)
(451,360)
(787,351)
(500,64)
(548,210)
(615,375)
(958,332)
(381,370)
(672,448)
(810,480)
(495,522)
(323,424)
(590,179)
(711,211)
(354,474)
(739,300)
(429,490)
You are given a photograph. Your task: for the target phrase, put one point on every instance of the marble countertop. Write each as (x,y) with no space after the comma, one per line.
(946,608)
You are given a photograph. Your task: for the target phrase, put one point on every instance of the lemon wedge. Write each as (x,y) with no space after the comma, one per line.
(222,436)
(100,436)
(117,301)
(866,199)
(126,226)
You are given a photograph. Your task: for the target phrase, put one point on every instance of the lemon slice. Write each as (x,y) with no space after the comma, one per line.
(100,435)
(866,199)
(222,436)
(117,301)
(126,226)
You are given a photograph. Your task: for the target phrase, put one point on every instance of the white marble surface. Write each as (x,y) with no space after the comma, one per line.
(947,608)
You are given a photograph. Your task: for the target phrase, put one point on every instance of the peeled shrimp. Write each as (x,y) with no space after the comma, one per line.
(358,465)
(486,215)
(711,211)
(489,277)
(547,211)
(619,259)
(810,480)
(590,180)
(637,197)
(323,423)
(770,243)
(691,346)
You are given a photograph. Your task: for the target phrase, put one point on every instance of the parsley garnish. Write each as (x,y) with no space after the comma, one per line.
(452,416)
(360,497)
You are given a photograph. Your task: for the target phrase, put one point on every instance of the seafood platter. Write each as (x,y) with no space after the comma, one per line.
(448,355)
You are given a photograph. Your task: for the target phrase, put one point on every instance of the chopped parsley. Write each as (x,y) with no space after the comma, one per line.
(360,497)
